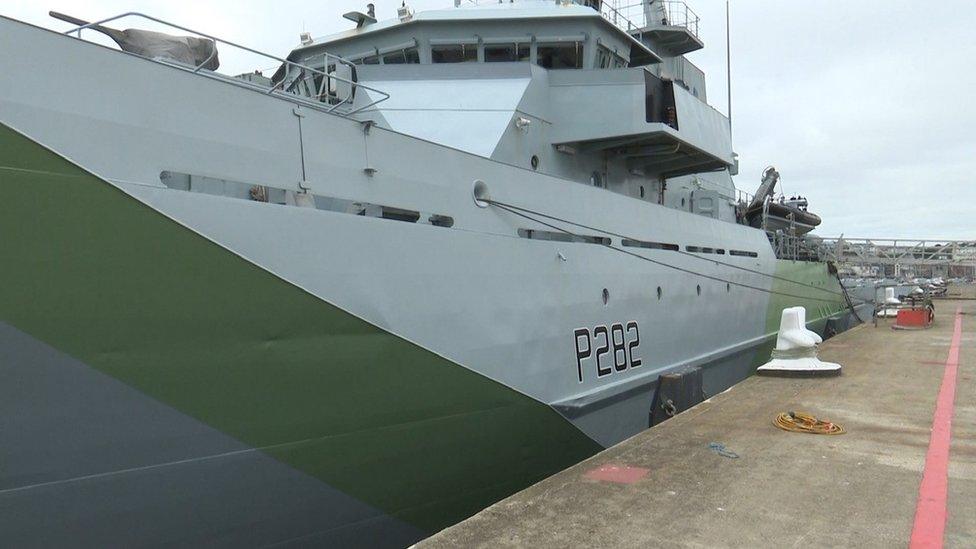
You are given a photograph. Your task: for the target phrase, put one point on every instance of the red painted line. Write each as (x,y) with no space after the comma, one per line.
(930,511)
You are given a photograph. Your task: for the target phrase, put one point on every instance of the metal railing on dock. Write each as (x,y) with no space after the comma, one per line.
(955,257)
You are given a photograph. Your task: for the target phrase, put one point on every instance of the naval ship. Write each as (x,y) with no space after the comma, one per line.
(429,261)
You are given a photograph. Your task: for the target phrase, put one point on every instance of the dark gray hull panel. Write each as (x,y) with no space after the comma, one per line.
(89,461)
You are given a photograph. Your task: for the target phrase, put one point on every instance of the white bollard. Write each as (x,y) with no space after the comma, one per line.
(890,297)
(891,304)
(796,348)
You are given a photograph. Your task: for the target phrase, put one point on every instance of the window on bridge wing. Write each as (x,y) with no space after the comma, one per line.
(400,57)
(608,59)
(507,53)
(454,53)
(604,57)
(561,56)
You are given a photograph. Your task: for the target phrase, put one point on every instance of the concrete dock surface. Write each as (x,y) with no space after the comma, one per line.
(670,486)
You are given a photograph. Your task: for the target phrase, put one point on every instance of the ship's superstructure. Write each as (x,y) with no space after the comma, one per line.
(430,261)
(604,98)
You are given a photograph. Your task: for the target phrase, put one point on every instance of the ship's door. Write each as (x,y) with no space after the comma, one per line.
(705,202)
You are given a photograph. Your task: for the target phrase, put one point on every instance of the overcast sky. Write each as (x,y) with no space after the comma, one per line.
(865,107)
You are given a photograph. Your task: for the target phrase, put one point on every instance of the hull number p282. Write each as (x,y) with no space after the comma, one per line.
(610,350)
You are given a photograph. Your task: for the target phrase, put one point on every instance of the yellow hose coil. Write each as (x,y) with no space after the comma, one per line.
(800,422)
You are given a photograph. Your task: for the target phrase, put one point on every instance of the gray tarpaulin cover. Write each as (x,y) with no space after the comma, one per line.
(189,50)
(184,49)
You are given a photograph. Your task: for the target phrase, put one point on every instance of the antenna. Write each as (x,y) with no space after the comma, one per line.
(728,60)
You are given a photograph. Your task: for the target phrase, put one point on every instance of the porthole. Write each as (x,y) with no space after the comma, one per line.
(699,289)
(659,293)
(535,162)
(606,296)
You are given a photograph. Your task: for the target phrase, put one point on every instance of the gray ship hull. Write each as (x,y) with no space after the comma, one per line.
(192,366)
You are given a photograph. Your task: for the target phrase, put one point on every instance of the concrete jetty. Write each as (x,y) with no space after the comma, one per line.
(722,475)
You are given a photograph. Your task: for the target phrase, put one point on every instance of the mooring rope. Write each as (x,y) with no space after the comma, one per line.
(515,210)
(682,252)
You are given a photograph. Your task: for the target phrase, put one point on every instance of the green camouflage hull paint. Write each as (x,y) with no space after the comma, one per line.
(814,275)
(104,278)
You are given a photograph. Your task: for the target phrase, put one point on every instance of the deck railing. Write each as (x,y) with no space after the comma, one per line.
(284,89)
(628,15)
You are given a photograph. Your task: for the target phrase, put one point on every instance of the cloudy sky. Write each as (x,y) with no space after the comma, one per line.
(865,107)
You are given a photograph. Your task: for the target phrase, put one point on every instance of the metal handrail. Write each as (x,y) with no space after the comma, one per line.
(326,57)
(743,196)
(303,69)
(615,13)
(680,15)
(630,16)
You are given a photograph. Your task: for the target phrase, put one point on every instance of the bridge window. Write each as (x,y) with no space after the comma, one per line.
(560,56)
(507,53)
(401,57)
(608,59)
(454,53)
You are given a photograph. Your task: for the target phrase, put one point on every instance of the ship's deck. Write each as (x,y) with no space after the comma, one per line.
(863,488)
